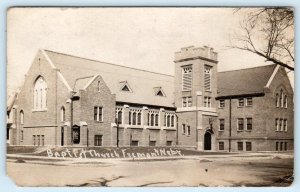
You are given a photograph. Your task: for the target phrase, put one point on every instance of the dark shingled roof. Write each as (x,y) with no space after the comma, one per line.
(244,81)
(141,82)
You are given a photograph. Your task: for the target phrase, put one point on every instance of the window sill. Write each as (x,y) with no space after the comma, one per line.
(98,121)
(221,107)
(221,130)
(240,130)
(248,130)
(240,106)
(39,110)
(249,106)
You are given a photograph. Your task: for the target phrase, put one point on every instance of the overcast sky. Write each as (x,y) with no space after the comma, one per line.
(134,37)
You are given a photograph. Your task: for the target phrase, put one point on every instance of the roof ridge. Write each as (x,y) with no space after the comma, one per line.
(109,63)
(248,68)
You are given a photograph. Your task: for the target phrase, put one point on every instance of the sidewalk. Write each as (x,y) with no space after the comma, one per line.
(209,157)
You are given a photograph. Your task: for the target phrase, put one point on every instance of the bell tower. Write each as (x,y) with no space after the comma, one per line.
(195,92)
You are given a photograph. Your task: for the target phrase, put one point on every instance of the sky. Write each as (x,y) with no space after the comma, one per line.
(143,38)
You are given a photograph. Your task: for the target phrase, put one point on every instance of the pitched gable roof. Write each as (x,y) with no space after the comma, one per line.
(141,82)
(244,81)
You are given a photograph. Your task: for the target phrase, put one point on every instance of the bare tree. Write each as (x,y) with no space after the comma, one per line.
(269,33)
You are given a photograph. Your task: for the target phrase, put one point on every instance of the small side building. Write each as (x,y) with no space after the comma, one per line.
(255,110)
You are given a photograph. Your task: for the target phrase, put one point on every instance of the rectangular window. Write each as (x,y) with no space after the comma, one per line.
(186,101)
(285,146)
(207,77)
(42,140)
(134,143)
(169,143)
(184,104)
(248,146)
(281,146)
(38,140)
(249,124)
(249,101)
(240,146)
(276,124)
(22,135)
(152,143)
(189,101)
(221,146)
(285,125)
(241,102)
(277,146)
(183,128)
(98,140)
(187,78)
(240,124)
(33,140)
(222,103)
(188,133)
(222,125)
(281,124)
(98,113)
(207,102)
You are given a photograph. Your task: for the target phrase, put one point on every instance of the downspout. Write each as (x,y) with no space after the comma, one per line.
(176,128)
(197,139)
(229,125)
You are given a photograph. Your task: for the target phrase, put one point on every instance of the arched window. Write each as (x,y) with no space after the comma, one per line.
(281,98)
(134,118)
(129,117)
(172,121)
(139,120)
(21,117)
(168,121)
(152,120)
(62,114)
(156,120)
(277,100)
(120,117)
(40,94)
(285,101)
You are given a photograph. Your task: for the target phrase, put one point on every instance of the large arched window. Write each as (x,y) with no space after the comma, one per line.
(62,114)
(21,117)
(277,100)
(40,94)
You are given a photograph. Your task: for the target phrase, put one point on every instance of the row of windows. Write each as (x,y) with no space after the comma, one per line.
(280,124)
(241,102)
(38,140)
(187,77)
(186,129)
(281,99)
(135,117)
(240,146)
(151,143)
(281,146)
(187,101)
(240,124)
(207,102)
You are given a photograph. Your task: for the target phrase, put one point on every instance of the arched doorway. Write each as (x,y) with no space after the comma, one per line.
(207,140)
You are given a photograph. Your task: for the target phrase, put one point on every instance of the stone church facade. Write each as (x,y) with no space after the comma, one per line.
(72,101)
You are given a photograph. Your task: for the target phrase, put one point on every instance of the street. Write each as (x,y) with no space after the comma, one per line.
(256,170)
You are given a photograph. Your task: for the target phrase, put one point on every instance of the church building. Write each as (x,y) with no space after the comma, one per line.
(72,101)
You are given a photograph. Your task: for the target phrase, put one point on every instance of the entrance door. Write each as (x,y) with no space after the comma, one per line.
(62,136)
(207,141)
